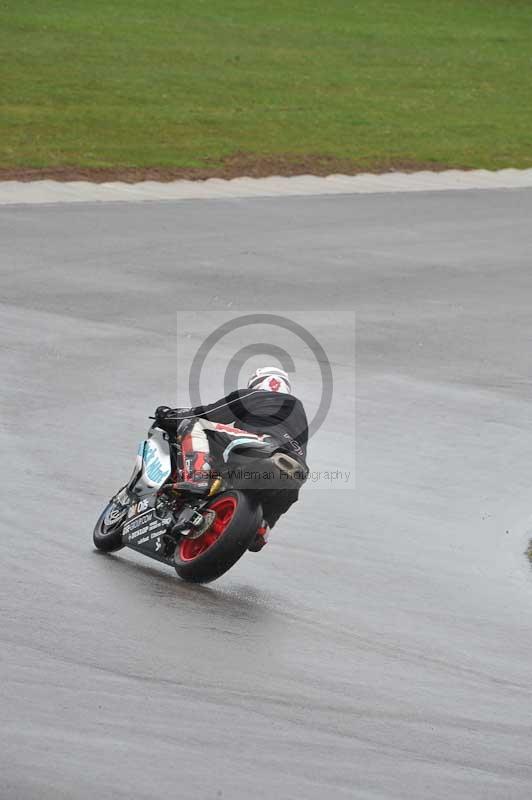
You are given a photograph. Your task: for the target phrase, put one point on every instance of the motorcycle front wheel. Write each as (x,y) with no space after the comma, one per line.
(107,535)
(227,538)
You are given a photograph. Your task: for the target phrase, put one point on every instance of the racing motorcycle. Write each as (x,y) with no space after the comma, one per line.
(201,536)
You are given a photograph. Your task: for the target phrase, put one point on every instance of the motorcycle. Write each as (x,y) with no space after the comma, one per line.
(202,537)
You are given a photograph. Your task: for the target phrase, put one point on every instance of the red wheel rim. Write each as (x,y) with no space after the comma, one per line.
(225,507)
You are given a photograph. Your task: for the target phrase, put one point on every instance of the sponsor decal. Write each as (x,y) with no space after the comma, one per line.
(138,508)
(152,465)
(296,447)
(274,384)
(113,516)
(136,534)
(136,523)
(146,525)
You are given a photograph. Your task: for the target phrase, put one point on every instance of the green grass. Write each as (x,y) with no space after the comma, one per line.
(172,83)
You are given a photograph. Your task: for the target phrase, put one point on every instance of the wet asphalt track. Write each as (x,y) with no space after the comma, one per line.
(381,646)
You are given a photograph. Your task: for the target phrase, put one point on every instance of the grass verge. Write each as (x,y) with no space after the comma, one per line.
(173,88)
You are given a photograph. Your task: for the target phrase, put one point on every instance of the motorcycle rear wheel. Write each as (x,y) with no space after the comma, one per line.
(205,558)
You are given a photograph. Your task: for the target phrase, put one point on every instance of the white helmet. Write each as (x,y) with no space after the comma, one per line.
(270,379)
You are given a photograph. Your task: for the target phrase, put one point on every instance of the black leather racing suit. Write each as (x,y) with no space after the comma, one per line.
(281,416)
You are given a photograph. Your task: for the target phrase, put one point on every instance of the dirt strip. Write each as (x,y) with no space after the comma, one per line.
(235,166)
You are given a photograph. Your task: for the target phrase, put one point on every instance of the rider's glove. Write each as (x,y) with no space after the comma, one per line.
(162,412)
(164,415)
(169,417)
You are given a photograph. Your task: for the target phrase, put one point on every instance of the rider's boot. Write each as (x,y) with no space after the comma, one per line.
(260,538)
(195,471)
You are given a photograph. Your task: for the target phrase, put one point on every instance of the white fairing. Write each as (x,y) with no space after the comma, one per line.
(153,463)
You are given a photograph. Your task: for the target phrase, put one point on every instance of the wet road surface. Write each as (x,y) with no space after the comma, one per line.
(380,646)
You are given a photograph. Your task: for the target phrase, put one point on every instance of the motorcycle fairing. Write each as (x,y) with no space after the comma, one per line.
(153,465)
(145,528)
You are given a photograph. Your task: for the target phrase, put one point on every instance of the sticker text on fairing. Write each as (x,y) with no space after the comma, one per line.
(154,469)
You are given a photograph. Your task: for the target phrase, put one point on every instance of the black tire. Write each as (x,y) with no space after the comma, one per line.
(228,548)
(107,539)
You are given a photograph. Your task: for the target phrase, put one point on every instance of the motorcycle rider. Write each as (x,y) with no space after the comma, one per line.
(266,409)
